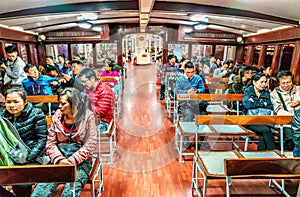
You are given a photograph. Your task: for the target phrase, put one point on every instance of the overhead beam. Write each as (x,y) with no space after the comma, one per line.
(145,8)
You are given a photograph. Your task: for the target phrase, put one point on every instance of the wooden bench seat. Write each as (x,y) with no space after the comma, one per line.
(240,164)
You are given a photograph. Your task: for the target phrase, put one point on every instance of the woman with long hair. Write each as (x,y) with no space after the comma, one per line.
(72,139)
(258,96)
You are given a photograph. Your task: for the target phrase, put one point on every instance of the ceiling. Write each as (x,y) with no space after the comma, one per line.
(242,17)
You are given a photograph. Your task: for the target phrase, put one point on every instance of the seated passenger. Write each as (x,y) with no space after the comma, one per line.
(286,100)
(73,127)
(239,85)
(67,68)
(37,84)
(190,83)
(73,80)
(109,71)
(257,96)
(101,96)
(31,125)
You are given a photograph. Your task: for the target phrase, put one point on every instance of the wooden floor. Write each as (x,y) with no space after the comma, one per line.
(146,163)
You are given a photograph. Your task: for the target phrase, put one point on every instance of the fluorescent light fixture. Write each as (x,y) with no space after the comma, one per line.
(89,16)
(188,29)
(85,25)
(99,29)
(17,28)
(200,26)
(197,17)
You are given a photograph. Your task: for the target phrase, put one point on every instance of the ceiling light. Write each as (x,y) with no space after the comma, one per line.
(99,29)
(89,16)
(85,25)
(197,17)
(200,26)
(188,29)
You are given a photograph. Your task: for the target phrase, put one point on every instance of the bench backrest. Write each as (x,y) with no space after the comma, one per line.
(214,86)
(263,167)
(211,97)
(243,119)
(43,99)
(218,80)
(37,174)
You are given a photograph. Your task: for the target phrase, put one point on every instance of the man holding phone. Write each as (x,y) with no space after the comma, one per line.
(190,83)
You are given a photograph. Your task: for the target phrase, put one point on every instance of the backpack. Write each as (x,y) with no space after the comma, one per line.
(12,149)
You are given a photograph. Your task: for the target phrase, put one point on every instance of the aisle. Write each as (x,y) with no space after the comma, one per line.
(145,162)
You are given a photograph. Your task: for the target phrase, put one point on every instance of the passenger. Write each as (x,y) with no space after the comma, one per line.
(286,100)
(31,125)
(73,127)
(235,72)
(73,80)
(109,71)
(296,133)
(271,81)
(37,84)
(14,67)
(203,67)
(221,72)
(190,83)
(239,85)
(219,62)
(61,61)
(258,96)
(101,96)
(170,66)
(67,68)
(50,63)
(212,64)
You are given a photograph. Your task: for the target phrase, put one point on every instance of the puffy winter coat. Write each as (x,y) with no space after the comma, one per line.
(85,135)
(32,127)
(103,101)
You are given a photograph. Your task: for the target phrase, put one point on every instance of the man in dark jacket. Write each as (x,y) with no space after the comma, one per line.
(101,96)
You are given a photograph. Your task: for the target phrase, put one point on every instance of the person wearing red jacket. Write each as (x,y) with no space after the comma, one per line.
(101,96)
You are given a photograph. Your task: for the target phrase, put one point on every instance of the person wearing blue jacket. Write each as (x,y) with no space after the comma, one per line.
(190,83)
(37,84)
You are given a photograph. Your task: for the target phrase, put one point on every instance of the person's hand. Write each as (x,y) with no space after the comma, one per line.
(192,91)
(3,66)
(62,81)
(66,77)
(294,103)
(54,83)
(64,162)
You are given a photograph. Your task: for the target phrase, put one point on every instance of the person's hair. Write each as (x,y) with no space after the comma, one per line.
(18,90)
(50,57)
(27,67)
(171,57)
(61,55)
(53,68)
(264,67)
(88,73)
(10,49)
(257,76)
(76,61)
(243,69)
(284,73)
(78,101)
(110,62)
(189,64)
(236,69)
(229,61)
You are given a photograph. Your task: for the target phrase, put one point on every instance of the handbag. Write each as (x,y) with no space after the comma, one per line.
(261,112)
(67,150)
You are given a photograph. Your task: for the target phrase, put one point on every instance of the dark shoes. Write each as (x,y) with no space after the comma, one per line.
(162,97)
(186,143)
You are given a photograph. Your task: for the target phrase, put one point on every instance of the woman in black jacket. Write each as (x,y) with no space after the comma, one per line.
(31,124)
(258,96)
